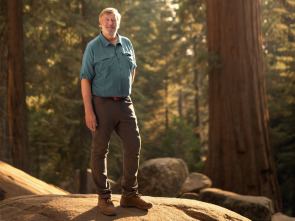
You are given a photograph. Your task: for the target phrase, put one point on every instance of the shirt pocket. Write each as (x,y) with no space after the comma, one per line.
(130,63)
(103,65)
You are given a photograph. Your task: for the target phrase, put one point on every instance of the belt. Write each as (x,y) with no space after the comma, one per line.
(116,98)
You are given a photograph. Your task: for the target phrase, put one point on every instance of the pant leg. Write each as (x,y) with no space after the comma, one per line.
(128,132)
(100,144)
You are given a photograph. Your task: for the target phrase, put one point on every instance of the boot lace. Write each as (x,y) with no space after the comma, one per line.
(109,202)
(138,195)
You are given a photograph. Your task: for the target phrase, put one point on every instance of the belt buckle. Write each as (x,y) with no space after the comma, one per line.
(117,98)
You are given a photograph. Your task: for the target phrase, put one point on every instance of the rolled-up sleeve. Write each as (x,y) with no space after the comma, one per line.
(133,55)
(87,68)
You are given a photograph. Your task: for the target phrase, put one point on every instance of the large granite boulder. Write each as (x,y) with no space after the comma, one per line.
(252,207)
(162,176)
(14,182)
(84,207)
(195,182)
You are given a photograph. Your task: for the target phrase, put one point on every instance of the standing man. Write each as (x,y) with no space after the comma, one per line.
(107,74)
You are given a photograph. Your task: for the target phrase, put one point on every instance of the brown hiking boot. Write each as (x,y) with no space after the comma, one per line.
(106,206)
(135,201)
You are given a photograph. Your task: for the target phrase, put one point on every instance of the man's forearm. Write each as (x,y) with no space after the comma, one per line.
(90,117)
(133,75)
(86,94)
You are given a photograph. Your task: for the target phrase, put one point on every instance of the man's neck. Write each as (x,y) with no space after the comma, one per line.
(111,39)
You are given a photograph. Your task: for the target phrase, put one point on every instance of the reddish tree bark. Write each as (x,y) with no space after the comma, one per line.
(240,157)
(17,119)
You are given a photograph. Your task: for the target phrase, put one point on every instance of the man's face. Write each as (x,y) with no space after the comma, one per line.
(109,24)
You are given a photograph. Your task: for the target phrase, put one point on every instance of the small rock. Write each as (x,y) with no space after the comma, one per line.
(192,196)
(195,182)
(252,207)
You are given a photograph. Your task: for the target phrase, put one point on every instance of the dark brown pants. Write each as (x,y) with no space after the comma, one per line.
(120,117)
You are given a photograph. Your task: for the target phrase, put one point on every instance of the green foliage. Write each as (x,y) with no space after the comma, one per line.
(181,142)
(150,26)
(59,143)
(279,46)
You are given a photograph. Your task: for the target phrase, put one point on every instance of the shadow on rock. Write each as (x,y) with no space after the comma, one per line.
(95,214)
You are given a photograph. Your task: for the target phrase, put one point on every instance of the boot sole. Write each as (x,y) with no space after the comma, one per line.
(139,207)
(107,214)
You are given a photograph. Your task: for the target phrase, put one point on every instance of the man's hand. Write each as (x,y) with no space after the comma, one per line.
(91,121)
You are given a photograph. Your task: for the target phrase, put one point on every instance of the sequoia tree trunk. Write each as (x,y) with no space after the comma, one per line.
(16,93)
(240,157)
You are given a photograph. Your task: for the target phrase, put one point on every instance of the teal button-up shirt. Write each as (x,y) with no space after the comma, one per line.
(109,67)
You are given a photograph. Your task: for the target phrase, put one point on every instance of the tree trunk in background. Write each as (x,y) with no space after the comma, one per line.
(166,102)
(16,93)
(180,113)
(196,102)
(240,158)
(4,137)
(83,184)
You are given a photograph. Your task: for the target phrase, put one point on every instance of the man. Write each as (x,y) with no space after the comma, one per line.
(107,74)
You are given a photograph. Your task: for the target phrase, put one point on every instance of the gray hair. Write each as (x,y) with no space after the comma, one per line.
(111,11)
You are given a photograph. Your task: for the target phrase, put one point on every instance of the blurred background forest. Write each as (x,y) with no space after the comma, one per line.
(170,92)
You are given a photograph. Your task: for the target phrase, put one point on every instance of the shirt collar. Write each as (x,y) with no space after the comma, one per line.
(106,43)
(119,39)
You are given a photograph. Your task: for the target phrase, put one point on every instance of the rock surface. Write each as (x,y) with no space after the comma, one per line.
(162,176)
(195,182)
(14,182)
(281,217)
(252,207)
(83,208)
